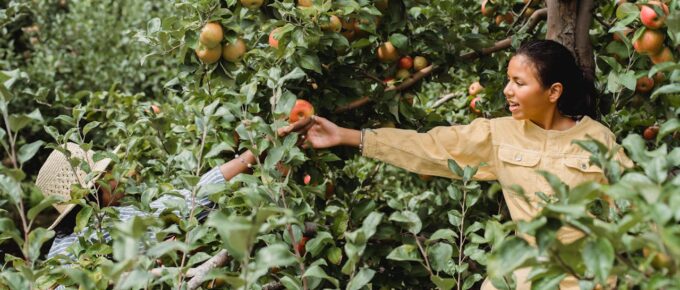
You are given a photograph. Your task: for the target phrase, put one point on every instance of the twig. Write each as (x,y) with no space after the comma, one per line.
(404,85)
(422,252)
(199,272)
(536,17)
(273,286)
(445,98)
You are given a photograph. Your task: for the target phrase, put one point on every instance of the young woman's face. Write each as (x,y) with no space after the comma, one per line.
(527,98)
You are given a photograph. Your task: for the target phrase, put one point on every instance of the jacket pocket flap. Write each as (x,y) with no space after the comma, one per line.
(518,157)
(581,164)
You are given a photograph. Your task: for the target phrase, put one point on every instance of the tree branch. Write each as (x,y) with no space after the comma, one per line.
(404,85)
(534,19)
(198,273)
(445,98)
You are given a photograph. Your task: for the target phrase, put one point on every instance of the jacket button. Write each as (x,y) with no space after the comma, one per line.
(584,166)
(518,157)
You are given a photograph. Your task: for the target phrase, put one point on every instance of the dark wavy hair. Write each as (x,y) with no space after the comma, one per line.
(556,64)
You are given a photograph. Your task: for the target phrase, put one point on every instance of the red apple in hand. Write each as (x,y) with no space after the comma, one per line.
(301,110)
(650,18)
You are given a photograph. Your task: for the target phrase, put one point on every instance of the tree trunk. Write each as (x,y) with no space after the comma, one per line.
(569,23)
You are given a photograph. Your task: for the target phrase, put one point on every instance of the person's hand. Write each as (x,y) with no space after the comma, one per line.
(300,126)
(323,134)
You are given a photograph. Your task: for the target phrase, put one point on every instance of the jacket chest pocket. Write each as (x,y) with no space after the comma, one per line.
(578,170)
(519,167)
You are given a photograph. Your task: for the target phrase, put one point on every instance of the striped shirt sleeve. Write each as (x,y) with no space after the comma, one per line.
(125,213)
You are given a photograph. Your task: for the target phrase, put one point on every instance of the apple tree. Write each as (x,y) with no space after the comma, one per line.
(309,219)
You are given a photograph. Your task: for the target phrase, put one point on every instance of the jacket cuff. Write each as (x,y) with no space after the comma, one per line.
(370,144)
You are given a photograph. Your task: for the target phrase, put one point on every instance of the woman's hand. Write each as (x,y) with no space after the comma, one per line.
(325,134)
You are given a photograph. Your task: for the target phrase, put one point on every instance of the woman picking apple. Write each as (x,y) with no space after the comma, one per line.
(552,104)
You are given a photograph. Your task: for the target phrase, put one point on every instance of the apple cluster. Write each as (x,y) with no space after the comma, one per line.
(210,47)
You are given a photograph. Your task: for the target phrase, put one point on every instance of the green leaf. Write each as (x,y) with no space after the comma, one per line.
(89,126)
(317,272)
(83,218)
(44,203)
(318,243)
(310,62)
(439,255)
(276,255)
(334,255)
(36,238)
(27,151)
(411,219)
(399,41)
(666,89)
(11,187)
(455,168)
(443,234)
(236,232)
(513,253)
(360,279)
(669,127)
(405,253)
(598,256)
(443,283)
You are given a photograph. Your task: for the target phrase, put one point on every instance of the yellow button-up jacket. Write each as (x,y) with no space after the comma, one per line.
(513,151)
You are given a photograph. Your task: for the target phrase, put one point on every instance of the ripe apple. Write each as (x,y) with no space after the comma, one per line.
(663,56)
(305,3)
(475,88)
(419,63)
(348,29)
(488,8)
(334,24)
(233,52)
(650,42)
(274,42)
(307,179)
(473,106)
(406,62)
(402,74)
(408,98)
(211,35)
(208,55)
(425,177)
(507,18)
(650,18)
(644,85)
(300,110)
(107,193)
(650,132)
(155,109)
(387,53)
(252,4)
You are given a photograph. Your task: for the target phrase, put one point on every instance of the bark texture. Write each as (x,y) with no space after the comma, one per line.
(569,23)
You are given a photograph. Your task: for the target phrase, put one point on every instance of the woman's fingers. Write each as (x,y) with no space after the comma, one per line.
(299,126)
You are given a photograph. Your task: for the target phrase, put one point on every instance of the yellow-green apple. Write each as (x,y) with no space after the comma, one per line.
(402,74)
(211,35)
(300,110)
(419,62)
(387,53)
(208,55)
(233,52)
(649,16)
(644,85)
(406,62)
(389,82)
(475,88)
(334,24)
(650,42)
